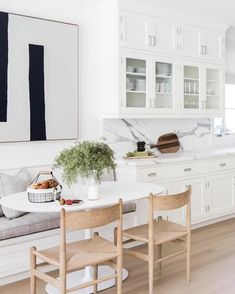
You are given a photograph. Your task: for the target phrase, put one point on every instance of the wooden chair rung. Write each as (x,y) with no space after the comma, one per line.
(170,256)
(128,241)
(137,254)
(46,278)
(91,283)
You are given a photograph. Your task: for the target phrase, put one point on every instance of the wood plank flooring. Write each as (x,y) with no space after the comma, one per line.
(213,268)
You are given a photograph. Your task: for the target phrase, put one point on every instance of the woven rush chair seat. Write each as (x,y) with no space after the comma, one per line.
(164,231)
(82,253)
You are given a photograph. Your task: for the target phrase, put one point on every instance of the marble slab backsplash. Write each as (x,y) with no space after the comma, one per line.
(122,134)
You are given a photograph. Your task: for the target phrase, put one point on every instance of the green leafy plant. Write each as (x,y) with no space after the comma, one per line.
(82,159)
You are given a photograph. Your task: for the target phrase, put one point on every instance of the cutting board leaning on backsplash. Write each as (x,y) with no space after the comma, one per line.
(167,143)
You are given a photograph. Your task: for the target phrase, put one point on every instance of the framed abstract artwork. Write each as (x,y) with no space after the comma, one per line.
(38,79)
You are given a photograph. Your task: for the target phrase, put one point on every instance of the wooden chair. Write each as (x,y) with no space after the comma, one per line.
(69,257)
(160,231)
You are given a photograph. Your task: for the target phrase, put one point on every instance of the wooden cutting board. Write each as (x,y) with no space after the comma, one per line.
(167,143)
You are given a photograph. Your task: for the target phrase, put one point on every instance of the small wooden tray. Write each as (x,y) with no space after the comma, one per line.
(140,157)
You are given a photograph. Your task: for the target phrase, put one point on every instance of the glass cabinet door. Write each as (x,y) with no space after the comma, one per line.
(135,83)
(163,85)
(213,86)
(191,87)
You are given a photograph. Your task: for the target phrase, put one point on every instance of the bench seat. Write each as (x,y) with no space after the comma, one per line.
(28,224)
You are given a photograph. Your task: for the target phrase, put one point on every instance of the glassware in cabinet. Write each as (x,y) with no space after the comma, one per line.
(213,86)
(191,87)
(163,85)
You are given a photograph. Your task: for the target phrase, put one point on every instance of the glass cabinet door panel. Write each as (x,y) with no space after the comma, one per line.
(135,83)
(163,85)
(212,88)
(191,87)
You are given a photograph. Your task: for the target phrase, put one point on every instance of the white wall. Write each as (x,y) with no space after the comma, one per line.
(230,51)
(85,14)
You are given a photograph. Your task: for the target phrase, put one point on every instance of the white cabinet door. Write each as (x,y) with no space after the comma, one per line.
(191,78)
(164,85)
(135,82)
(189,41)
(198,197)
(136,31)
(213,88)
(164,36)
(221,194)
(214,46)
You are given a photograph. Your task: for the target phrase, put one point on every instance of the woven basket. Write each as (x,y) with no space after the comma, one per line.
(44,195)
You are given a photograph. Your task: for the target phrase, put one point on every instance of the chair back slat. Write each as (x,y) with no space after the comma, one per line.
(91,219)
(170,202)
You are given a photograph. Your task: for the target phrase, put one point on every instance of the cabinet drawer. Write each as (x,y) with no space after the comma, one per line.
(221,164)
(149,174)
(184,170)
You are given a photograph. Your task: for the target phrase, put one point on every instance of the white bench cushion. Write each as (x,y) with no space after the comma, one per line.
(28,224)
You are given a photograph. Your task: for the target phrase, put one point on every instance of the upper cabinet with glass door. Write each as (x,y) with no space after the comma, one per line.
(164,86)
(135,83)
(192,87)
(213,93)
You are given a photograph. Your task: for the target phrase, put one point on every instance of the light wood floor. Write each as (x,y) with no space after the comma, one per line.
(213,268)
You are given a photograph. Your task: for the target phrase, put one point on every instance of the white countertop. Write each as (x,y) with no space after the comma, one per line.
(178,157)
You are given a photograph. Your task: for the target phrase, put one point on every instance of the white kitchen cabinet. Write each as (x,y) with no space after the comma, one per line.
(198,197)
(147,84)
(142,32)
(164,36)
(136,31)
(191,86)
(212,45)
(212,182)
(195,42)
(213,90)
(135,83)
(163,85)
(151,38)
(201,86)
(189,41)
(220,191)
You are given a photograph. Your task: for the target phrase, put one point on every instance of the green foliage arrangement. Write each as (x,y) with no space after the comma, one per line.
(83,159)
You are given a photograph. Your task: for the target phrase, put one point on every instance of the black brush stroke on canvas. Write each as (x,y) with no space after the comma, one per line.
(37,93)
(4,19)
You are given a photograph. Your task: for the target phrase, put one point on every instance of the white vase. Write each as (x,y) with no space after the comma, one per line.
(93,192)
(93,186)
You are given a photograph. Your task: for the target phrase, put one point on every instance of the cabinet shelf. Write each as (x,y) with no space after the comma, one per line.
(212,81)
(191,94)
(136,92)
(191,79)
(138,74)
(164,93)
(212,95)
(163,77)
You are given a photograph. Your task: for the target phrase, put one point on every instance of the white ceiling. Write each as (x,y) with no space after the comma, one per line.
(222,11)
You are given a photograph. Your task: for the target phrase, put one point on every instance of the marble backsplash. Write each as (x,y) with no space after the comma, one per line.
(122,134)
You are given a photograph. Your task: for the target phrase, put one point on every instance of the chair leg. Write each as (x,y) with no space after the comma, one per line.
(32,267)
(119,274)
(150,277)
(96,278)
(62,283)
(188,259)
(151,263)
